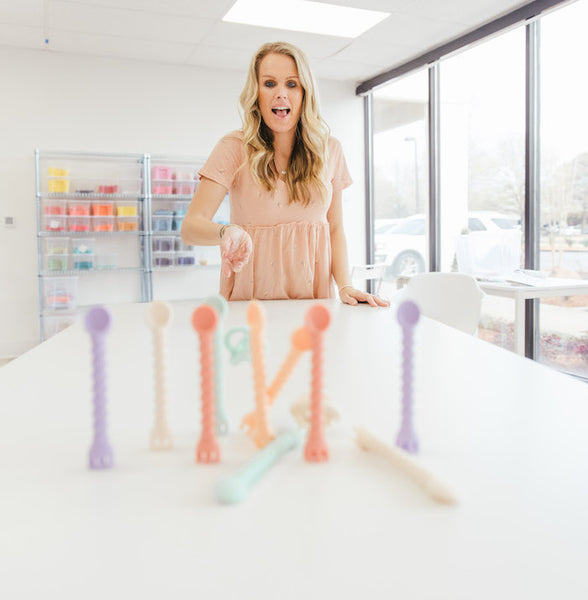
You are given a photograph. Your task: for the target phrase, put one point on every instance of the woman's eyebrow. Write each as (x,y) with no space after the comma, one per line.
(274,77)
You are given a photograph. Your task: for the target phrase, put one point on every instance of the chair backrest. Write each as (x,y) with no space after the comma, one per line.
(366,272)
(451,298)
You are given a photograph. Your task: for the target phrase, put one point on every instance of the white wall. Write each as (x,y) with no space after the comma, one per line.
(64,102)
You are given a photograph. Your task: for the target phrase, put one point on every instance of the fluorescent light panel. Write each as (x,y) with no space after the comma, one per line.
(303,15)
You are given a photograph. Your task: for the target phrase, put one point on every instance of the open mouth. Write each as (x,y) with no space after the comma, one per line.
(281,112)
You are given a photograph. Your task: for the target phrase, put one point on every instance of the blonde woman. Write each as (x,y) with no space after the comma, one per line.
(285,176)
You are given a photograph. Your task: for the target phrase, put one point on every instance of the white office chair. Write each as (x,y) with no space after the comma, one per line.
(451,298)
(369,272)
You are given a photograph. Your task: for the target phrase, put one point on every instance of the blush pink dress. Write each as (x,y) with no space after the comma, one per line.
(291,255)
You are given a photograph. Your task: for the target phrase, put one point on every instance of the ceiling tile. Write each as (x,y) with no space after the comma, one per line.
(23,12)
(22,36)
(202,9)
(343,70)
(249,38)
(106,45)
(131,24)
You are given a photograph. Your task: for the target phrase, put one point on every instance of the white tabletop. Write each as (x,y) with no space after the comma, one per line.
(506,433)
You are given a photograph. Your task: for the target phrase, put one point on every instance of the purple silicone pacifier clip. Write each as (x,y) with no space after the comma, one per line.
(408,315)
(97,324)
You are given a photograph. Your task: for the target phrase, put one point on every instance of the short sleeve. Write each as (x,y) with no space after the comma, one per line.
(224,161)
(340,177)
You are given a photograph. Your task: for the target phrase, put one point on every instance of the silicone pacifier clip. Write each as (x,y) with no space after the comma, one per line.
(97,324)
(158,316)
(204,321)
(408,315)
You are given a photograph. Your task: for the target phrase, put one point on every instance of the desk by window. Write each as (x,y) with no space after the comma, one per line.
(527,288)
(508,434)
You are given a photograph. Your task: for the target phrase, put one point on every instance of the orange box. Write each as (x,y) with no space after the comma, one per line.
(127,223)
(103,209)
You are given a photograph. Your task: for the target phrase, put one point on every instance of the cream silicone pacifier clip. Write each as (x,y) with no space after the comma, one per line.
(159,315)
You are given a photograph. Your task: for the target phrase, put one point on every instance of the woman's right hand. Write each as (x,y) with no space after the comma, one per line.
(236,247)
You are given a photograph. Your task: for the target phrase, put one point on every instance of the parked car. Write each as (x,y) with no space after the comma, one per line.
(403,246)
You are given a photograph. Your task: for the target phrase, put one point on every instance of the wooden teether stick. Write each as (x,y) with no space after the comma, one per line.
(260,433)
(204,321)
(159,316)
(317,320)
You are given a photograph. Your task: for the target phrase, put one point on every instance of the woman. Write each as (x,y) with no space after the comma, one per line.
(285,177)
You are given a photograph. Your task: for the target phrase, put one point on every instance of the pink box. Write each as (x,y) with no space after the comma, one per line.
(161,172)
(162,187)
(185,188)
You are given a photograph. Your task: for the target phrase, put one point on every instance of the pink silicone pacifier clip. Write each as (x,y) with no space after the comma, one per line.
(205,321)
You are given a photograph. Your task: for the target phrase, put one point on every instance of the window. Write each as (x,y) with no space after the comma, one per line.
(401,176)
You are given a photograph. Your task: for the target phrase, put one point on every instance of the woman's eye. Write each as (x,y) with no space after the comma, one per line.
(291,84)
(269,84)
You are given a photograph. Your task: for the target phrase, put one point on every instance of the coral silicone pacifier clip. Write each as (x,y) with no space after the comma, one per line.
(97,323)
(317,321)
(158,316)
(204,321)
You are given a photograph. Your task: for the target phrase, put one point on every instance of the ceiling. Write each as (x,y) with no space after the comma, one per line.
(191,32)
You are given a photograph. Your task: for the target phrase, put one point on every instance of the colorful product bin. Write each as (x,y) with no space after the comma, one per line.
(161,172)
(185,188)
(163,244)
(55,223)
(57,245)
(103,209)
(103,223)
(106,260)
(55,172)
(83,253)
(56,262)
(163,259)
(162,220)
(126,209)
(60,293)
(108,189)
(59,186)
(183,175)
(127,223)
(55,208)
(181,247)
(79,208)
(185,259)
(161,186)
(177,222)
(79,224)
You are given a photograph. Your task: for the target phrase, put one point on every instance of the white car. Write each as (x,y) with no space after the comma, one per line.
(402,246)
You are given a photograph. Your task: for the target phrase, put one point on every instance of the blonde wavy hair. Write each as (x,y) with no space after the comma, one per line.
(309,155)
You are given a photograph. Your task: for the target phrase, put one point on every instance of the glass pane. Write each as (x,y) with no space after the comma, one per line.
(482,179)
(401,177)
(563,328)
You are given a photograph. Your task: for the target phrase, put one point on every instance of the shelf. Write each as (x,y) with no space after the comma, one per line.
(89,233)
(185,267)
(171,196)
(93,196)
(74,272)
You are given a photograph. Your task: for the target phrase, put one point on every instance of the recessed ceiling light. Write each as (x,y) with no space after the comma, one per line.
(304,15)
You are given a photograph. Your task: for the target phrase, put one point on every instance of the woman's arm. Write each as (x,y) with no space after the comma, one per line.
(339,264)
(199,230)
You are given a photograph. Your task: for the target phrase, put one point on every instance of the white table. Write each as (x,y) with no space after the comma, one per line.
(507,433)
(540,288)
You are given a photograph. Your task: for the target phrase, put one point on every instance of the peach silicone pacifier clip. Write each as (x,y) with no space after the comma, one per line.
(204,321)
(318,319)
(97,324)
(158,316)
(260,433)
(301,342)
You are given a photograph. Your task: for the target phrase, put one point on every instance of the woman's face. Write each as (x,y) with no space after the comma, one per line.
(280,92)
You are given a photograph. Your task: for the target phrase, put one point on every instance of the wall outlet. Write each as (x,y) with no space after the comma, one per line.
(9,222)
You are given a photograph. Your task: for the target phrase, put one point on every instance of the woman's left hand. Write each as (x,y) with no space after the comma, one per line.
(350,295)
